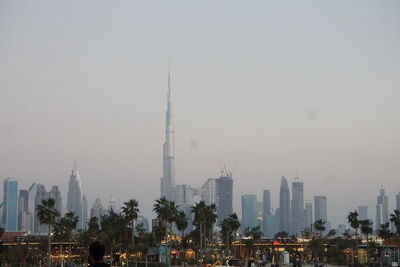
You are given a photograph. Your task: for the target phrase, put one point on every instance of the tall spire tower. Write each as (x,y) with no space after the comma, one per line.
(168,179)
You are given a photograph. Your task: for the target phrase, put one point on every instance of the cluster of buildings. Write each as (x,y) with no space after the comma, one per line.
(18,209)
(294,214)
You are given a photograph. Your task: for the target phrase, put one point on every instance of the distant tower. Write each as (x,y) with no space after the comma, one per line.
(224,189)
(168,179)
(10,205)
(208,191)
(320,210)
(40,194)
(308,212)
(23,214)
(74,200)
(56,195)
(297,207)
(284,206)
(97,210)
(84,211)
(266,211)
(249,211)
(362,212)
(382,209)
(398,201)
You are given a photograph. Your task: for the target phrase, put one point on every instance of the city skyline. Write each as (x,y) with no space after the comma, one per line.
(306,95)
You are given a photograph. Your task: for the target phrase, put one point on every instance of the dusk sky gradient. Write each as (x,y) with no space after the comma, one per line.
(268,88)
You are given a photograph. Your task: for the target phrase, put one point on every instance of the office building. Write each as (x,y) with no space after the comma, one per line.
(308,214)
(224,189)
(362,212)
(209,192)
(320,209)
(74,199)
(284,207)
(382,209)
(10,205)
(298,220)
(249,211)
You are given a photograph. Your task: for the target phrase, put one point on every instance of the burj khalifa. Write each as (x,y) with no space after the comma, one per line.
(168,179)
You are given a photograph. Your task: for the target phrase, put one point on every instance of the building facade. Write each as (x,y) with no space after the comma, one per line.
(10,205)
(224,189)
(320,209)
(284,207)
(249,211)
(74,199)
(382,209)
(298,223)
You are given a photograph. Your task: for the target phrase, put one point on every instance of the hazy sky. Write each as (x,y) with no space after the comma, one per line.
(307,88)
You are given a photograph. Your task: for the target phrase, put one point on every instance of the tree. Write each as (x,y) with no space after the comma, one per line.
(166,212)
(131,210)
(366,229)
(253,233)
(48,214)
(352,218)
(200,213)
(384,231)
(181,222)
(230,225)
(319,226)
(395,219)
(71,222)
(60,233)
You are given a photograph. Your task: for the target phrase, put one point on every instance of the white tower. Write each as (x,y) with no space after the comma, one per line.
(74,200)
(168,179)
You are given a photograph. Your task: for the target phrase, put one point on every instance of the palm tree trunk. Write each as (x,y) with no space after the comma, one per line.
(69,247)
(367,250)
(201,239)
(61,255)
(49,247)
(357,246)
(133,239)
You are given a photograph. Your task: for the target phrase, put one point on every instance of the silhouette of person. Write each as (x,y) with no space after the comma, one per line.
(96,254)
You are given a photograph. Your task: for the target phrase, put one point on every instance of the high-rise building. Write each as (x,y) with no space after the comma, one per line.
(297,208)
(382,209)
(84,211)
(97,210)
(144,222)
(10,205)
(266,211)
(56,195)
(308,214)
(320,209)
(271,221)
(362,212)
(284,207)
(249,211)
(168,179)
(23,216)
(41,194)
(208,192)
(31,207)
(398,201)
(185,197)
(74,200)
(224,189)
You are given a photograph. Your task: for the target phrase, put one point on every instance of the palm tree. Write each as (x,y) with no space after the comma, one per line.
(352,218)
(71,222)
(384,231)
(166,212)
(366,229)
(48,214)
(60,233)
(395,219)
(131,210)
(200,215)
(181,222)
(319,226)
(211,218)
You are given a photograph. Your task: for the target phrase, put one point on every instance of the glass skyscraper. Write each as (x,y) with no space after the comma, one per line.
(10,205)
(249,211)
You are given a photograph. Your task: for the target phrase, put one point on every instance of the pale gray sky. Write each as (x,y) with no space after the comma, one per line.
(281,87)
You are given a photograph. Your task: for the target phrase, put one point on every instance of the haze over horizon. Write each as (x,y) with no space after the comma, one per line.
(281,88)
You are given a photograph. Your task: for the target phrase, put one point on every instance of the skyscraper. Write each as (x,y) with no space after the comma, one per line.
(297,207)
(266,211)
(224,189)
(249,211)
(97,210)
(10,205)
(84,211)
(74,200)
(362,212)
(31,207)
(308,214)
(23,218)
(168,179)
(284,207)
(56,195)
(41,194)
(320,210)
(398,201)
(208,192)
(382,209)
(185,197)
